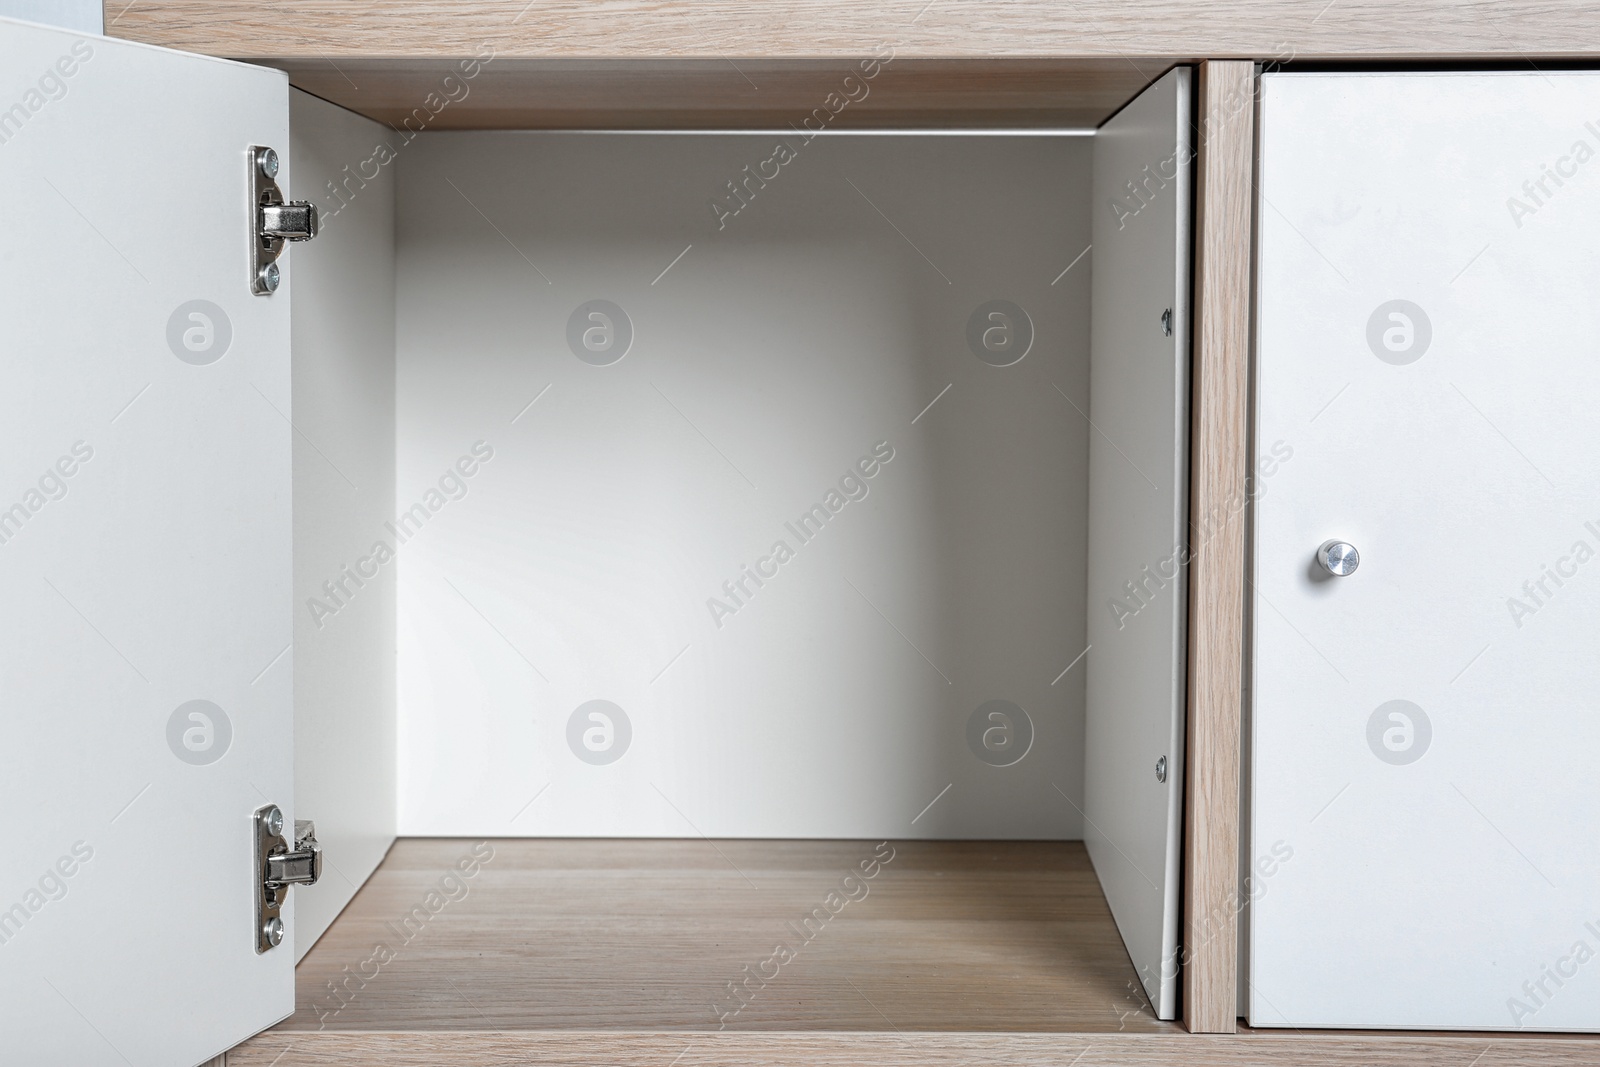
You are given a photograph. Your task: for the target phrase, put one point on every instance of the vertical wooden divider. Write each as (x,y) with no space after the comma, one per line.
(1217,517)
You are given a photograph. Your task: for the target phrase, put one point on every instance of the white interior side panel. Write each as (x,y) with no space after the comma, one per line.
(344,622)
(144,554)
(714,430)
(1426,809)
(1138,519)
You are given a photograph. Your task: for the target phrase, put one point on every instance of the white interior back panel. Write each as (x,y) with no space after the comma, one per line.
(1425,814)
(144,553)
(623,385)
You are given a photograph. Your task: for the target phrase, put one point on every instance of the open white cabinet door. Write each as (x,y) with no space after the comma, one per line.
(1138,523)
(144,554)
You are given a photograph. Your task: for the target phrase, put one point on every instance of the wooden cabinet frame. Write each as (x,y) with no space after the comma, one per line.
(1218,492)
(754,63)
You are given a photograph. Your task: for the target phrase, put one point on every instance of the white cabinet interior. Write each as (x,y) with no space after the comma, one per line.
(750,485)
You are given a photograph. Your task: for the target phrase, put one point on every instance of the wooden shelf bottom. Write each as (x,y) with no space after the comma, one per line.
(730,935)
(606,952)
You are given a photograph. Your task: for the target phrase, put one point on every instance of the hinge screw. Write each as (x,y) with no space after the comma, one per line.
(1161,770)
(269,163)
(274,931)
(270,277)
(1166,322)
(273,819)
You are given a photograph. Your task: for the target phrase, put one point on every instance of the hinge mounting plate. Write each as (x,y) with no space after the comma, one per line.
(273,221)
(277,867)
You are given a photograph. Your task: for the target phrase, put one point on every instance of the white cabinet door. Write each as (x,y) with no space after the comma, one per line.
(1425,803)
(144,553)
(1138,520)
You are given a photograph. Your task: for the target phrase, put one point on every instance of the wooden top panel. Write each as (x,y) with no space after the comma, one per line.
(714,29)
(511,92)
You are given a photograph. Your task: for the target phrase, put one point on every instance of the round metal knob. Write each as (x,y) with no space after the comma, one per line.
(1338,558)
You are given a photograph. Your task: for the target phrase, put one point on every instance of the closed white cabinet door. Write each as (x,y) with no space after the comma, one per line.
(144,554)
(1425,807)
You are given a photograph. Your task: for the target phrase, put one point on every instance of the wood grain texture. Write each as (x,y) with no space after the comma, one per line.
(650,935)
(749,64)
(585,952)
(1224,196)
(885,1048)
(511,92)
(714,29)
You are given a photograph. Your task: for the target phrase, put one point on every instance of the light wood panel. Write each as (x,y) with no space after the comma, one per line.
(889,1049)
(713,29)
(511,92)
(648,935)
(726,64)
(1219,463)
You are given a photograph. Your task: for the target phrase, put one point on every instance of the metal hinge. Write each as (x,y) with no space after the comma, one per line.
(278,867)
(273,221)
